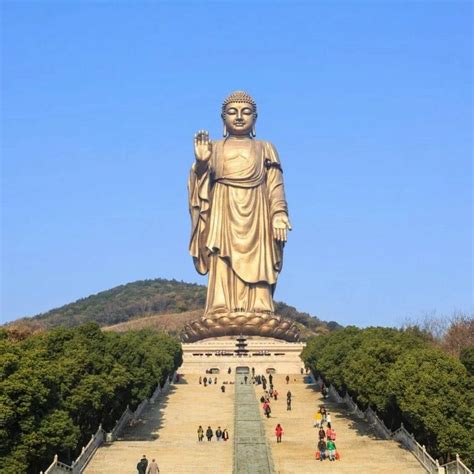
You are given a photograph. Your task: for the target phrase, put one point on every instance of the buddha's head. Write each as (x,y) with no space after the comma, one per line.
(239,114)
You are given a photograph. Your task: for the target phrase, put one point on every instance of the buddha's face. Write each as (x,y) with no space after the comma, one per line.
(239,118)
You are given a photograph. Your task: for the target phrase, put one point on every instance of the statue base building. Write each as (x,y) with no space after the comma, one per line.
(264,354)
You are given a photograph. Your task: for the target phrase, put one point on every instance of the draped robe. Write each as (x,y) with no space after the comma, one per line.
(232,204)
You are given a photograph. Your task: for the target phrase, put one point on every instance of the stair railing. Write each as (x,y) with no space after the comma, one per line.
(88,451)
(401,435)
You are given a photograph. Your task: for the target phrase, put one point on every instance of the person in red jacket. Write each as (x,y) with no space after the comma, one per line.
(278,432)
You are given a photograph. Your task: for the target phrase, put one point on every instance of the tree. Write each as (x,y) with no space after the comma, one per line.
(467,359)
(435,396)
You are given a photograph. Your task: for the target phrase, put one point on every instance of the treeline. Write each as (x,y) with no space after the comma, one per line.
(405,379)
(141,299)
(125,302)
(311,322)
(57,387)
(454,334)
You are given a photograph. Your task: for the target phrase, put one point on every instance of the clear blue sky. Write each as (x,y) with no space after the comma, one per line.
(368,103)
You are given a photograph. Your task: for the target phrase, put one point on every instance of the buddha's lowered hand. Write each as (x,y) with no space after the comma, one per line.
(281,225)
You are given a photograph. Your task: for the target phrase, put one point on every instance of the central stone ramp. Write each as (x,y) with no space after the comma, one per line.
(362,451)
(167,431)
(251,453)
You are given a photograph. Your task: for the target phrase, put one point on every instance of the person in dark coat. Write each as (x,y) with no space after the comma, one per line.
(322,449)
(209,433)
(142,465)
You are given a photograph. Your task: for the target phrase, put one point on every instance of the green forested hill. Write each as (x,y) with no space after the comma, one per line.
(145,298)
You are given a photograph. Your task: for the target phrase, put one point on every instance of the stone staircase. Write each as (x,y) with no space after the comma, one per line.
(167,432)
(362,451)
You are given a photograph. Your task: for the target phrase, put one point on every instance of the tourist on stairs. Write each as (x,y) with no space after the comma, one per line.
(142,465)
(332,450)
(330,433)
(278,432)
(318,419)
(321,450)
(153,468)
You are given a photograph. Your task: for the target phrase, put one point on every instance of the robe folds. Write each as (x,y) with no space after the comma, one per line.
(232,204)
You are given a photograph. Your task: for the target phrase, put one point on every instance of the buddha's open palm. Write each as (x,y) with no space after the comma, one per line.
(202,146)
(281,226)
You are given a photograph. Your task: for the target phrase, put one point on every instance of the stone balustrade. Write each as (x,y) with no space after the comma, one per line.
(401,435)
(77,466)
(456,467)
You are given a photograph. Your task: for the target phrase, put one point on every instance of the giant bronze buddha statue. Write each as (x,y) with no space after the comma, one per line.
(239,218)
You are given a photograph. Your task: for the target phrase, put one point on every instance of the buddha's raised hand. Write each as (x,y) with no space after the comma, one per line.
(281,224)
(202,146)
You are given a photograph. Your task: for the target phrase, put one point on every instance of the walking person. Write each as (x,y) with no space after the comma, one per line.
(278,432)
(318,419)
(209,433)
(331,445)
(266,409)
(322,410)
(275,394)
(200,433)
(322,449)
(288,404)
(218,433)
(225,434)
(287,379)
(153,468)
(142,465)
(321,433)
